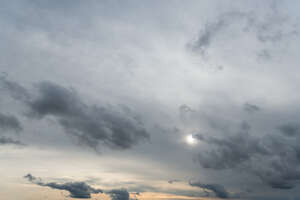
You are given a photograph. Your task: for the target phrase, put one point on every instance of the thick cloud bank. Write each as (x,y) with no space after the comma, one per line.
(115,126)
(272,157)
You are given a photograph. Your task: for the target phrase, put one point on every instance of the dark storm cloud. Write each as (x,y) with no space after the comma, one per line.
(230,151)
(117,127)
(219,190)
(251,107)
(290,129)
(76,189)
(6,140)
(9,122)
(273,158)
(121,194)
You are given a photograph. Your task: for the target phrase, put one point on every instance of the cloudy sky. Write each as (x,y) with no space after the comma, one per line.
(149,100)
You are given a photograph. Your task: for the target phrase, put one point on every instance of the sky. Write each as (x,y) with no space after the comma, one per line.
(149,100)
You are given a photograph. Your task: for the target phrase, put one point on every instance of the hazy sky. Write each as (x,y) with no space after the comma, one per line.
(149,100)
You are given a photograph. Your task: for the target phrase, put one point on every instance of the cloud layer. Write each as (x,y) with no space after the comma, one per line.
(81,78)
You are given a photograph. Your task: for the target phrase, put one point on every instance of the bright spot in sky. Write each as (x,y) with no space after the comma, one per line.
(190,140)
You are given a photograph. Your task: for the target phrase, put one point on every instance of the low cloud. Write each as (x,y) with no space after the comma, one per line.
(219,190)
(272,158)
(173,181)
(119,194)
(115,126)
(231,151)
(80,189)
(290,129)
(76,189)
(9,123)
(6,141)
(15,90)
(256,147)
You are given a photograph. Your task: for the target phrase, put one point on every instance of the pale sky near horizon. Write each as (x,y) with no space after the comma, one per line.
(124,100)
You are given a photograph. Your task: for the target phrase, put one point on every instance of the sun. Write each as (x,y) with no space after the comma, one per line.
(190,140)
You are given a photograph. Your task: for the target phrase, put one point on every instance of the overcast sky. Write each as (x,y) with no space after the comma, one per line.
(149,100)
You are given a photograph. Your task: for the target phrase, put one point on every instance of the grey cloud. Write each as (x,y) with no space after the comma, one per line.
(118,194)
(206,35)
(219,190)
(139,188)
(76,189)
(15,90)
(185,110)
(9,122)
(257,147)
(290,129)
(230,151)
(264,55)
(117,127)
(198,136)
(173,181)
(267,29)
(7,140)
(211,30)
(92,124)
(251,107)
(272,158)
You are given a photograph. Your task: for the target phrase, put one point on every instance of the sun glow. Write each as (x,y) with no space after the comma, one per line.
(190,140)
